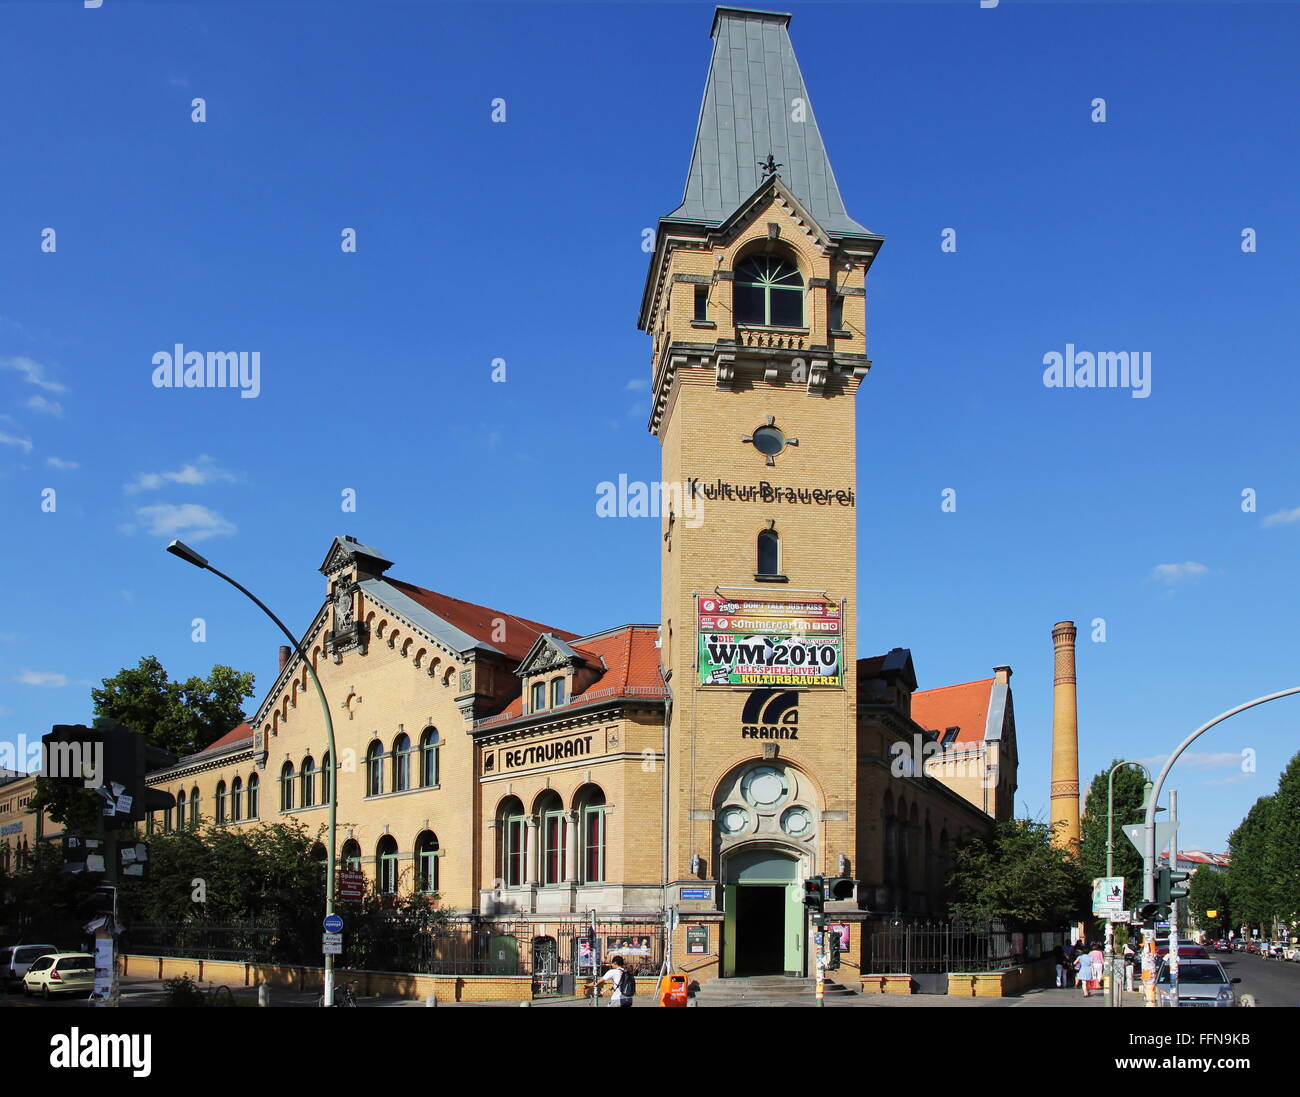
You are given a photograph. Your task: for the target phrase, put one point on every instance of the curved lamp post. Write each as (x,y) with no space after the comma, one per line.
(179,548)
(1116,984)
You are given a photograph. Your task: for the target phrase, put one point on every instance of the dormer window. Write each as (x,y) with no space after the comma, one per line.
(768,290)
(557,692)
(539,696)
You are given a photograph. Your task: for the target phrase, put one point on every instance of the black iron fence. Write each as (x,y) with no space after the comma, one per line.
(242,941)
(896,945)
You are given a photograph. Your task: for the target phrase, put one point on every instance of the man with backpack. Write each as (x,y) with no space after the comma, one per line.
(623,982)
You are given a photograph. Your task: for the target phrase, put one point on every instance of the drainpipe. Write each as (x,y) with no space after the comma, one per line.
(668,715)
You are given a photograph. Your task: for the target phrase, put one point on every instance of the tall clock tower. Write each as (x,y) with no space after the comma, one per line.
(755,303)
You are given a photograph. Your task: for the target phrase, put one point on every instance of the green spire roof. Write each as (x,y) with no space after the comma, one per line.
(749,101)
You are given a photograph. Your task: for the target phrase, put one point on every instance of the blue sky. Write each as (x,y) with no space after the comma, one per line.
(479,241)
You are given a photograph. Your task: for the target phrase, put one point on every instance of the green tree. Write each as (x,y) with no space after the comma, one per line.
(1282,852)
(183,717)
(1249,889)
(1127,862)
(1016,875)
(1208,890)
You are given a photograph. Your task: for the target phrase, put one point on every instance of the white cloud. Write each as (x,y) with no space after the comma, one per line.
(1207,760)
(42,678)
(188,520)
(202,471)
(13,440)
(1283,518)
(33,373)
(48,407)
(638,384)
(1179,573)
(60,463)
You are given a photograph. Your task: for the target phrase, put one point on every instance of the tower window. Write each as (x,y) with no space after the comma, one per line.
(701,302)
(837,313)
(769,552)
(768,290)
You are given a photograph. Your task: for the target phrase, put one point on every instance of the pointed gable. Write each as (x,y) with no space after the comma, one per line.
(746,116)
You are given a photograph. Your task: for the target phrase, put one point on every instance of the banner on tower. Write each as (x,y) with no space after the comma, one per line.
(751,643)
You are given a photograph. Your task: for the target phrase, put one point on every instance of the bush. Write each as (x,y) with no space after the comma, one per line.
(183,991)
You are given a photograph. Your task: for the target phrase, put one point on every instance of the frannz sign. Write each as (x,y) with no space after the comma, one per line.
(770,714)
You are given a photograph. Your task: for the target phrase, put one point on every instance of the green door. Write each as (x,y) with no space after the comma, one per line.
(796,931)
(729,929)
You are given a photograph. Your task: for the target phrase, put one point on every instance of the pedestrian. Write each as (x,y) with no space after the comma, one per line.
(1069,952)
(1058,956)
(1083,965)
(621,980)
(1098,965)
(1130,962)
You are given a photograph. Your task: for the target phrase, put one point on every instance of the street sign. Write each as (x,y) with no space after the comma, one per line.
(333,923)
(1164,832)
(352,885)
(333,944)
(696,893)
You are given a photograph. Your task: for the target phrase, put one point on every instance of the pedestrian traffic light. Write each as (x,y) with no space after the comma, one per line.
(840,888)
(832,950)
(814,893)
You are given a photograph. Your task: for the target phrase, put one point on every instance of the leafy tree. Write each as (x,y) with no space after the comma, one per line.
(1249,887)
(183,717)
(1126,860)
(1208,890)
(1282,852)
(1016,875)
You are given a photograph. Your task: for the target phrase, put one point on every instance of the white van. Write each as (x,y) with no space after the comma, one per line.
(16,960)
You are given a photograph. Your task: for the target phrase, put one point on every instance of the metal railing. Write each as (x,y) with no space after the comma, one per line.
(936,947)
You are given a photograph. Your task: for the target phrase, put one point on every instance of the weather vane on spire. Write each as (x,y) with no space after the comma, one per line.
(769,166)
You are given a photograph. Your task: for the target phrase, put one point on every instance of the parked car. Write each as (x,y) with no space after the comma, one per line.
(1276,950)
(16,959)
(61,973)
(1222,946)
(1200,983)
(1187,950)
(1252,947)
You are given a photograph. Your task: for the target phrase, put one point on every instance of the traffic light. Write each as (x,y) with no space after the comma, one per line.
(111,759)
(1167,888)
(1153,912)
(840,888)
(72,756)
(814,893)
(832,950)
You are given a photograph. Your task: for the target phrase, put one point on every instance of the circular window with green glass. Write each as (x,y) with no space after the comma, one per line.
(797,822)
(764,787)
(733,820)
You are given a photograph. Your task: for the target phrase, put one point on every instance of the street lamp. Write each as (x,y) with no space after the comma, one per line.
(182,550)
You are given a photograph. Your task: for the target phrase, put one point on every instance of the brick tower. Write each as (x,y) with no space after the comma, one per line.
(755,303)
(1065,739)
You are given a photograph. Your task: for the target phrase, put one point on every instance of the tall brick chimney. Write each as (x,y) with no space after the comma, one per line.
(1065,740)
(285,652)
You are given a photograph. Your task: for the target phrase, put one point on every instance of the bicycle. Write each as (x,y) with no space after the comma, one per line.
(343,996)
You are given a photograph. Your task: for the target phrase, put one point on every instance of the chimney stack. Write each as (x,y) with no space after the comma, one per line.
(285,652)
(1065,740)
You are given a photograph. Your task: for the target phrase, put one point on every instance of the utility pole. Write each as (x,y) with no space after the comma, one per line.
(1115,970)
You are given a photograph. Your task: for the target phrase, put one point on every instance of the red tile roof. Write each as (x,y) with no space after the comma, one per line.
(631,668)
(481,622)
(233,736)
(964,706)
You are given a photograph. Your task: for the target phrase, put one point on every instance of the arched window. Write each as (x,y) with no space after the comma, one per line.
(401,763)
(254,785)
(307,779)
(194,807)
(167,820)
(375,769)
(426,862)
(539,696)
(220,803)
(550,812)
(768,289)
(590,805)
(557,692)
(236,799)
(326,778)
(350,855)
(514,841)
(180,810)
(429,757)
(386,858)
(286,787)
(769,552)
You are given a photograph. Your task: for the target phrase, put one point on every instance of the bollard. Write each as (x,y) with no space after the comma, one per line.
(525,1003)
(431,1000)
(263,995)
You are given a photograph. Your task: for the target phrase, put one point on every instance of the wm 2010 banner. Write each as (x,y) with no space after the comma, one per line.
(749,643)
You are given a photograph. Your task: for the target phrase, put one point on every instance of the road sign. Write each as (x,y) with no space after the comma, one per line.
(1164,832)
(333,944)
(352,885)
(333,923)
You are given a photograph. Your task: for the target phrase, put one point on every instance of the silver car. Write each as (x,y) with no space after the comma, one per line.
(1200,983)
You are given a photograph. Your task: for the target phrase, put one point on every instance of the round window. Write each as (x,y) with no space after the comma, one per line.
(769,441)
(734,820)
(764,787)
(797,822)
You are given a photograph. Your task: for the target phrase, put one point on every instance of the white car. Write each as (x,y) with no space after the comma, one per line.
(61,973)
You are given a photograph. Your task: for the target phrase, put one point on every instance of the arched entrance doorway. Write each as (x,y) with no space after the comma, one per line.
(764,928)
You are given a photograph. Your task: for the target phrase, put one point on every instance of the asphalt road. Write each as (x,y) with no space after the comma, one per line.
(1272,982)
